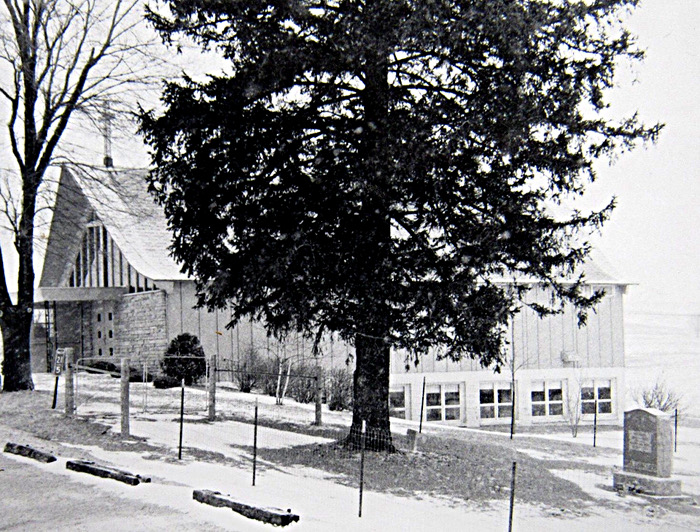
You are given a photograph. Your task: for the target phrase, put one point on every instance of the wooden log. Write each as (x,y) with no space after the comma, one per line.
(273,516)
(29,452)
(86,466)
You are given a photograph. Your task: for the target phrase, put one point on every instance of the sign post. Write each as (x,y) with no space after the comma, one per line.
(57,367)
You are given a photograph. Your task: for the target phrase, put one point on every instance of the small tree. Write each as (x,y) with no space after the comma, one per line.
(659,396)
(573,404)
(184,359)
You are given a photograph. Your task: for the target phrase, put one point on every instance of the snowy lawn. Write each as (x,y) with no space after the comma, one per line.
(459,478)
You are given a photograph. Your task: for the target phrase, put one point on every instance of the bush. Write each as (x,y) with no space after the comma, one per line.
(269,375)
(248,371)
(100,366)
(302,387)
(340,389)
(184,359)
(164,381)
(659,396)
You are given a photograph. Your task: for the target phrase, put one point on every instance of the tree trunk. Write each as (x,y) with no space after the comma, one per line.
(371,395)
(17,365)
(371,379)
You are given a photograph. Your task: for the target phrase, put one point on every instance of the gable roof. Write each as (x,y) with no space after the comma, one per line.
(118,198)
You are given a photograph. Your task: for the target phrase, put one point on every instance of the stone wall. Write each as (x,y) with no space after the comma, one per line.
(142,333)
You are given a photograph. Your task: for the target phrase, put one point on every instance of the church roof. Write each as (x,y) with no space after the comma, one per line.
(118,198)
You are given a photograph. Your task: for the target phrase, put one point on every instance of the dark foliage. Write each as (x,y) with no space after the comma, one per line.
(302,385)
(248,369)
(339,389)
(163,382)
(382,169)
(184,359)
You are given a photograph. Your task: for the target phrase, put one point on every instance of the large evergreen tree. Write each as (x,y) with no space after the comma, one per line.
(370,167)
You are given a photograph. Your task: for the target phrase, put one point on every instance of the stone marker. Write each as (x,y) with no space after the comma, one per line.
(648,454)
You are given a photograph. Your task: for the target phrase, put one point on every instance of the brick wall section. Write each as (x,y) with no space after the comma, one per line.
(141,327)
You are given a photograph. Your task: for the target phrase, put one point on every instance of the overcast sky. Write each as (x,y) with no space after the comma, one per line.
(652,239)
(654,236)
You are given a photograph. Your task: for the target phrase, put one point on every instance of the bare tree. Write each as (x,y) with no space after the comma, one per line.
(60,61)
(573,402)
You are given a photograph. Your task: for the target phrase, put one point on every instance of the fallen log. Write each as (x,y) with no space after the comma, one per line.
(86,466)
(273,516)
(29,452)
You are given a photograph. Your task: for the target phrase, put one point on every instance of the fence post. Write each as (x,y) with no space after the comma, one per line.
(595,421)
(319,395)
(422,405)
(363,444)
(125,396)
(675,431)
(182,417)
(255,440)
(211,388)
(512,498)
(70,398)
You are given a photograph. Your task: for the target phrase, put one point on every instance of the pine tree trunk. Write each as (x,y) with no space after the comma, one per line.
(371,395)
(17,365)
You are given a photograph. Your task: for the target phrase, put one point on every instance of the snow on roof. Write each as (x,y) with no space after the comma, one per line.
(118,198)
(135,222)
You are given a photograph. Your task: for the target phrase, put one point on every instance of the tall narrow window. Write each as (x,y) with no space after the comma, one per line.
(397,404)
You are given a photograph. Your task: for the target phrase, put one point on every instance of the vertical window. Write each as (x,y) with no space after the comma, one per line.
(397,404)
(442,402)
(547,398)
(111,351)
(109,316)
(110,334)
(495,400)
(99,317)
(600,391)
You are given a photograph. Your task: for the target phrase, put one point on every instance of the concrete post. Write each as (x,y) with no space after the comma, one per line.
(211,389)
(125,397)
(70,397)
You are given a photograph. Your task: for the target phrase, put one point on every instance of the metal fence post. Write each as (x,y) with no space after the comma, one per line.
(319,396)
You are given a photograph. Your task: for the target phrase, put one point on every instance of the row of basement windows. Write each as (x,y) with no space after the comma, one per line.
(442,401)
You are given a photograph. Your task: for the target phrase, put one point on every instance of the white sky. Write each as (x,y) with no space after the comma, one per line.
(653,235)
(652,238)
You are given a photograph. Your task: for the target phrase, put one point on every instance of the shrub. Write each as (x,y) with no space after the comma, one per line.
(340,389)
(100,366)
(164,381)
(247,373)
(302,386)
(269,374)
(659,396)
(184,359)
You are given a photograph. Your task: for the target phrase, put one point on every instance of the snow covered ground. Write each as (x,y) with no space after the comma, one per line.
(323,503)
